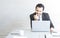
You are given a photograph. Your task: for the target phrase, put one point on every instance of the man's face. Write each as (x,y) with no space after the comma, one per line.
(39,10)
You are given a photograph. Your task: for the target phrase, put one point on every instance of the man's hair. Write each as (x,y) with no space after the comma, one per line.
(40,5)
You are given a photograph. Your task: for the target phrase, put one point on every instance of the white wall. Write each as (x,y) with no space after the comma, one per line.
(14,14)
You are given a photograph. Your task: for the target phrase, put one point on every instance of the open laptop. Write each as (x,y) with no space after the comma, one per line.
(40,26)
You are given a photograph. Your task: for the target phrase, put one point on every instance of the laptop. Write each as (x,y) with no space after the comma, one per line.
(40,26)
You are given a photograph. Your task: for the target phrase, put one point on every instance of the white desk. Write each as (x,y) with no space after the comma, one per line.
(56,35)
(29,34)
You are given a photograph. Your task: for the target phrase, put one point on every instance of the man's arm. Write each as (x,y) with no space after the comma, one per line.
(31,18)
(51,25)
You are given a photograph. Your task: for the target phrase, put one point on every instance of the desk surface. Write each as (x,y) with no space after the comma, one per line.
(30,34)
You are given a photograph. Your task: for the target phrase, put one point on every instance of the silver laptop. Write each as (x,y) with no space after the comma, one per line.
(41,26)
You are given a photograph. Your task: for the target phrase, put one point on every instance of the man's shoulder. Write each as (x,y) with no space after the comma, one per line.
(45,13)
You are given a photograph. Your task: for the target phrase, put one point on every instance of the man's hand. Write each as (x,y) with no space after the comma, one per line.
(36,17)
(51,29)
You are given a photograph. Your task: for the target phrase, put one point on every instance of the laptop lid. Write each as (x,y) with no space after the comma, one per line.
(41,26)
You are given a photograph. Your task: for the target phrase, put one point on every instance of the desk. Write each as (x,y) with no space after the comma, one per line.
(30,34)
(56,35)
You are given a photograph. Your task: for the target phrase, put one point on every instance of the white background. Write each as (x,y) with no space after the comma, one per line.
(14,14)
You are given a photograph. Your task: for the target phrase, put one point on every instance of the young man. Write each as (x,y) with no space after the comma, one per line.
(39,14)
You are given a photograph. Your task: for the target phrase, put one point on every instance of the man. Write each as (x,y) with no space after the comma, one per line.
(39,13)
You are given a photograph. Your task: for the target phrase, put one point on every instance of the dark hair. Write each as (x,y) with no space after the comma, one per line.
(40,5)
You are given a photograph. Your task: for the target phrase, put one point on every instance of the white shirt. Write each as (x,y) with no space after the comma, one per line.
(40,17)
